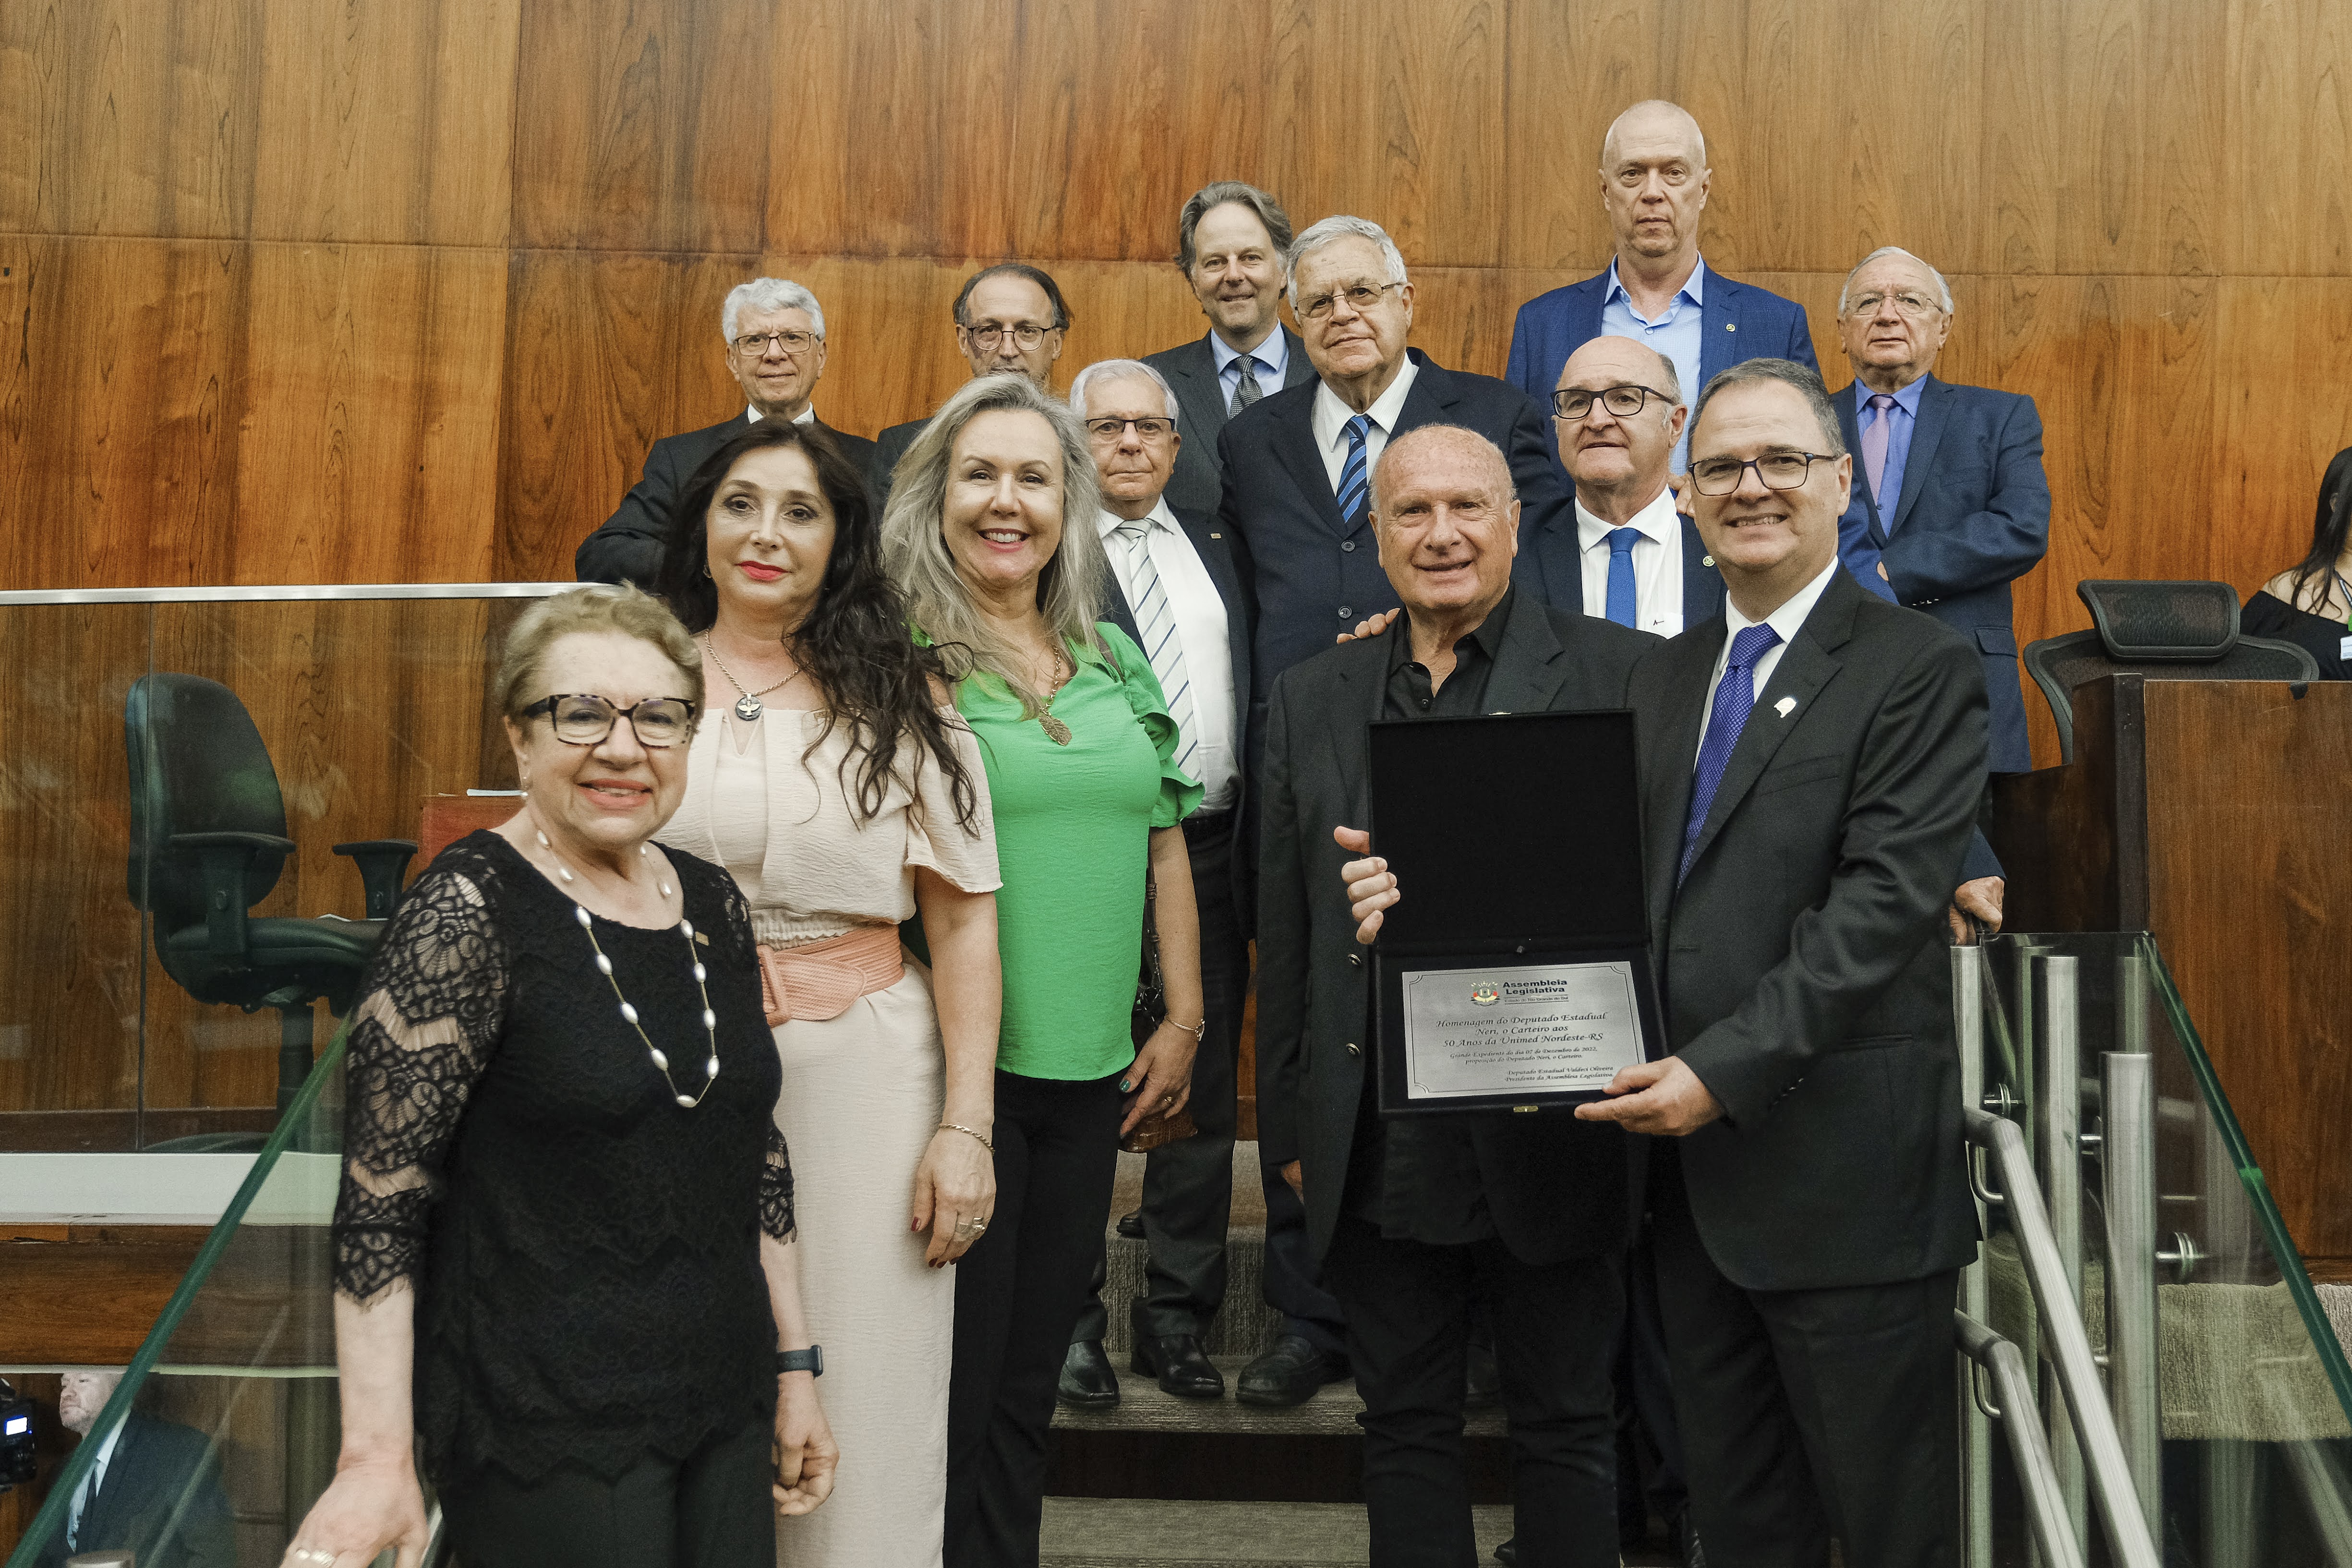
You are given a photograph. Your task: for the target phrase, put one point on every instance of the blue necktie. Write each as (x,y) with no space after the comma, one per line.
(1733,697)
(1620,574)
(1354,489)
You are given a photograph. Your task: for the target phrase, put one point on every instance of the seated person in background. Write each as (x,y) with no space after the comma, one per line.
(155,1491)
(2310,604)
(774,333)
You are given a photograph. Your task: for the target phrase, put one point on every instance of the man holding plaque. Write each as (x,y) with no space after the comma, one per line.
(1411,1216)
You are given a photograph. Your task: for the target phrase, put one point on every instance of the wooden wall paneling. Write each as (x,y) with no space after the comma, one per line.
(387,123)
(2025,158)
(1875,177)
(1461,317)
(2276,341)
(640,124)
(120,400)
(893,134)
(2141,120)
(1393,114)
(1126,310)
(890,333)
(371,432)
(120,117)
(2287,133)
(1571,69)
(89,1298)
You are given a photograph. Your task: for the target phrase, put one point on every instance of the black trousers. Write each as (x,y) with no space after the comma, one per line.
(711,1509)
(1408,1311)
(1017,1292)
(1809,1414)
(1645,1398)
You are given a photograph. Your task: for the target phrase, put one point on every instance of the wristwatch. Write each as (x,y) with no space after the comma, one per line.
(811,1360)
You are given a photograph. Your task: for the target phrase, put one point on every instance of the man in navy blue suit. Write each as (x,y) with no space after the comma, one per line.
(1950,503)
(1655,290)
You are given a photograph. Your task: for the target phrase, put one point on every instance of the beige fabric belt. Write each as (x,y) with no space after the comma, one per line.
(819,980)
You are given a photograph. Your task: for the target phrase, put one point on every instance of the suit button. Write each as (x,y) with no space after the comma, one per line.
(1346,545)
(1347,613)
(1352,1050)
(1355,960)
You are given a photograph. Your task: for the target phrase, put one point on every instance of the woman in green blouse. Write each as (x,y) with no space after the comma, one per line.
(991,533)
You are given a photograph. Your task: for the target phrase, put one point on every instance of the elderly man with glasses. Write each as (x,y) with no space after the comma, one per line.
(774,333)
(1011,316)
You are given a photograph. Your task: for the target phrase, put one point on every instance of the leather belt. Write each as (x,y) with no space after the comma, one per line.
(1208,825)
(819,980)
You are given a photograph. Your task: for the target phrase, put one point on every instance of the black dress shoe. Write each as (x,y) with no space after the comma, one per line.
(1130,1226)
(1687,1541)
(1087,1381)
(1288,1373)
(1179,1363)
(1507,1553)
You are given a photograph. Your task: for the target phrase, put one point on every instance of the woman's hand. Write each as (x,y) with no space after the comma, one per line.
(369,1507)
(806,1454)
(954,1186)
(1159,1080)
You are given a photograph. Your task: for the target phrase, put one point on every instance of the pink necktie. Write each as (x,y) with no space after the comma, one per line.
(1873,444)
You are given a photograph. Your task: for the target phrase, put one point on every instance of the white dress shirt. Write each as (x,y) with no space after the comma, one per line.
(805,416)
(1787,620)
(1658,565)
(1273,355)
(95,1480)
(1332,417)
(1200,630)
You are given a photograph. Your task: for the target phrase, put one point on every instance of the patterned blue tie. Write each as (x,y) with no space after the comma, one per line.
(1733,700)
(1355,489)
(1620,574)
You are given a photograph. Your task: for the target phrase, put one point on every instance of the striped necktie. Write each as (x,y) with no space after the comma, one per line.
(1355,488)
(1161,645)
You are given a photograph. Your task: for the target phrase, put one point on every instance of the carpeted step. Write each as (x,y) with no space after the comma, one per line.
(1119,1533)
(1331,1413)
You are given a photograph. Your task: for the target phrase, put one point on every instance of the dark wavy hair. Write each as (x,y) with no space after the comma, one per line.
(2328,531)
(854,643)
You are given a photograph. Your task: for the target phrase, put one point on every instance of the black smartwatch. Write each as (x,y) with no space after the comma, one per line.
(811,1360)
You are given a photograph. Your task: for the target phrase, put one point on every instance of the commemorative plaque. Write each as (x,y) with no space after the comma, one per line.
(1515,973)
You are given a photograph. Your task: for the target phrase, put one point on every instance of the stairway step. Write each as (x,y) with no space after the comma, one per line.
(1121,1533)
(1331,1413)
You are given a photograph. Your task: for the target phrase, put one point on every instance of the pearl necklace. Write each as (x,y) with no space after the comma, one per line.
(604,967)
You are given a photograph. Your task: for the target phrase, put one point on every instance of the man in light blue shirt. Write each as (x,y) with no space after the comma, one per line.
(1674,332)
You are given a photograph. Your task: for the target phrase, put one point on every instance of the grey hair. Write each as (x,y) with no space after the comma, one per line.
(1421,435)
(765,294)
(1332,229)
(1118,370)
(1803,378)
(915,552)
(596,607)
(1220,193)
(1941,286)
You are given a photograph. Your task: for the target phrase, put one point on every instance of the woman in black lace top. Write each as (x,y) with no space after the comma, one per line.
(565,1217)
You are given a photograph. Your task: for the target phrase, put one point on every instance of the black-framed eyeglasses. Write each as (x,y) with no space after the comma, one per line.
(1778,470)
(754,345)
(1575,402)
(1151,427)
(1361,297)
(1025,336)
(583,719)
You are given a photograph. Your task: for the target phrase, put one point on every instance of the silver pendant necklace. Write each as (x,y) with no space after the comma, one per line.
(748,706)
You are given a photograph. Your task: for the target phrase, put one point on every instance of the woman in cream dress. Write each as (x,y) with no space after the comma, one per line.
(844,798)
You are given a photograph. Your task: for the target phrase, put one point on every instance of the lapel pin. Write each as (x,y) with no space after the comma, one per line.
(1707,561)
(1730,326)
(1786,706)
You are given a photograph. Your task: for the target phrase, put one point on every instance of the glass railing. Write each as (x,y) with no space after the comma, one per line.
(369,703)
(2229,1389)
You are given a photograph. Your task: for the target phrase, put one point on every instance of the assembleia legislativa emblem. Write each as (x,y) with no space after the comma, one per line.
(1484,996)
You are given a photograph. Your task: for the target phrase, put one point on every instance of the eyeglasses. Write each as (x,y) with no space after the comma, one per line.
(583,719)
(1778,470)
(1912,305)
(1148,429)
(1574,403)
(754,345)
(1361,297)
(1025,336)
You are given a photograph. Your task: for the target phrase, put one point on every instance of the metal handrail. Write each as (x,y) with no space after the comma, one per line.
(2067,1345)
(2037,1473)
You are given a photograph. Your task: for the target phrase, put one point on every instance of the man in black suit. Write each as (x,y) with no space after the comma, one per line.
(1812,761)
(1411,1218)
(1010,316)
(155,1490)
(1231,239)
(774,334)
(1173,589)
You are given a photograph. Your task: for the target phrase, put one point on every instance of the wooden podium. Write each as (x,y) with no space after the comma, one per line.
(2215,814)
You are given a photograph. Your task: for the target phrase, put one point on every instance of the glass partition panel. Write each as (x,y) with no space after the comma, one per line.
(2230,1390)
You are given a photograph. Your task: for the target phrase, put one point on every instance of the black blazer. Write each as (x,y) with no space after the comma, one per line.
(889,448)
(1551,565)
(1805,979)
(1310,577)
(1557,1187)
(1190,368)
(629,547)
(158,1469)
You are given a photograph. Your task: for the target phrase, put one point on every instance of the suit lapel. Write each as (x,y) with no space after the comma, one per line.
(1673,757)
(1530,666)
(1295,449)
(1849,411)
(1431,394)
(1199,393)
(1934,407)
(1295,367)
(1702,583)
(1362,671)
(1718,329)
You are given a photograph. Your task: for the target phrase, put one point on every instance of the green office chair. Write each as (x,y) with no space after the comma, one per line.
(207,843)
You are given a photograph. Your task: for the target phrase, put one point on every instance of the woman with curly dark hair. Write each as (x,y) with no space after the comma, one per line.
(2310,603)
(835,783)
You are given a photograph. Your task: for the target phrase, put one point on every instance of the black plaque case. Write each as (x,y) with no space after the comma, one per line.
(1518,840)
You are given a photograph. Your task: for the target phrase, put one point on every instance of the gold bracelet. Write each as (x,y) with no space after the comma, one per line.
(1197,1031)
(951,1127)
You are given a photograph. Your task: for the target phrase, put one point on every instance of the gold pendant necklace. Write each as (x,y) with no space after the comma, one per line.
(1055,730)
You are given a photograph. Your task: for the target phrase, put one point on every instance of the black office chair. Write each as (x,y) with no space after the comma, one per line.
(207,843)
(2165,631)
